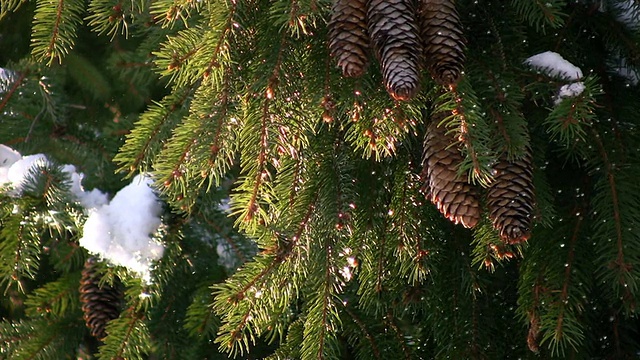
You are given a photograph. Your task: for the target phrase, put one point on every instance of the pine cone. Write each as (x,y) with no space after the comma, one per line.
(511,199)
(394,35)
(348,38)
(100,304)
(456,199)
(443,38)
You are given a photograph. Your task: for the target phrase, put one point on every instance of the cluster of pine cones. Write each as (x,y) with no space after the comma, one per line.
(405,36)
(509,199)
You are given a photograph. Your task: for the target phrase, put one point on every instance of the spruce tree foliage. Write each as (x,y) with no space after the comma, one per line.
(329,249)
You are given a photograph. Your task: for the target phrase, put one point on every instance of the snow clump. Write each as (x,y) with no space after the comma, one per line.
(554,65)
(120,231)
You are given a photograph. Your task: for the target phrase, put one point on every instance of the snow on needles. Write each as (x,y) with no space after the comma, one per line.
(555,65)
(120,231)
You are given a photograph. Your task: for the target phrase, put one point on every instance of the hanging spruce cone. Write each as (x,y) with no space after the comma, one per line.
(100,304)
(456,199)
(443,39)
(394,35)
(348,38)
(511,199)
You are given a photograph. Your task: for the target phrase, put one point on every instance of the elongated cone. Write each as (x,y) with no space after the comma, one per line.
(100,304)
(348,38)
(456,199)
(443,40)
(394,35)
(511,199)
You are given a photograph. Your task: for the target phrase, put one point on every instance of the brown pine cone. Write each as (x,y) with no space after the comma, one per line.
(348,38)
(511,199)
(456,199)
(394,35)
(100,304)
(443,40)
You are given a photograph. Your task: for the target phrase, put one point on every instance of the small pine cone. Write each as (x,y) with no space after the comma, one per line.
(443,39)
(100,304)
(511,199)
(456,199)
(348,38)
(394,35)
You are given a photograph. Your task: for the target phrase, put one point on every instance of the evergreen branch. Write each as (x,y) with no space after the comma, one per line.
(19,252)
(194,53)
(254,303)
(261,173)
(488,247)
(379,126)
(363,328)
(228,239)
(471,131)
(202,143)
(9,6)
(506,112)
(298,16)
(290,348)
(114,16)
(168,11)
(55,298)
(14,86)
(541,13)
(144,142)
(40,338)
(322,322)
(559,331)
(88,77)
(400,338)
(618,209)
(54,29)
(127,337)
(200,318)
(567,120)
(408,223)
(256,149)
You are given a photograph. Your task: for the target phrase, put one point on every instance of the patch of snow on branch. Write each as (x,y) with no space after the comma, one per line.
(14,168)
(571,90)
(6,79)
(122,231)
(554,65)
(627,12)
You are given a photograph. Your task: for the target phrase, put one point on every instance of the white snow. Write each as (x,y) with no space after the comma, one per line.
(14,168)
(19,170)
(554,65)
(627,12)
(8,157)
(6,78)
(122,231)
(569,90)
(88,199)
